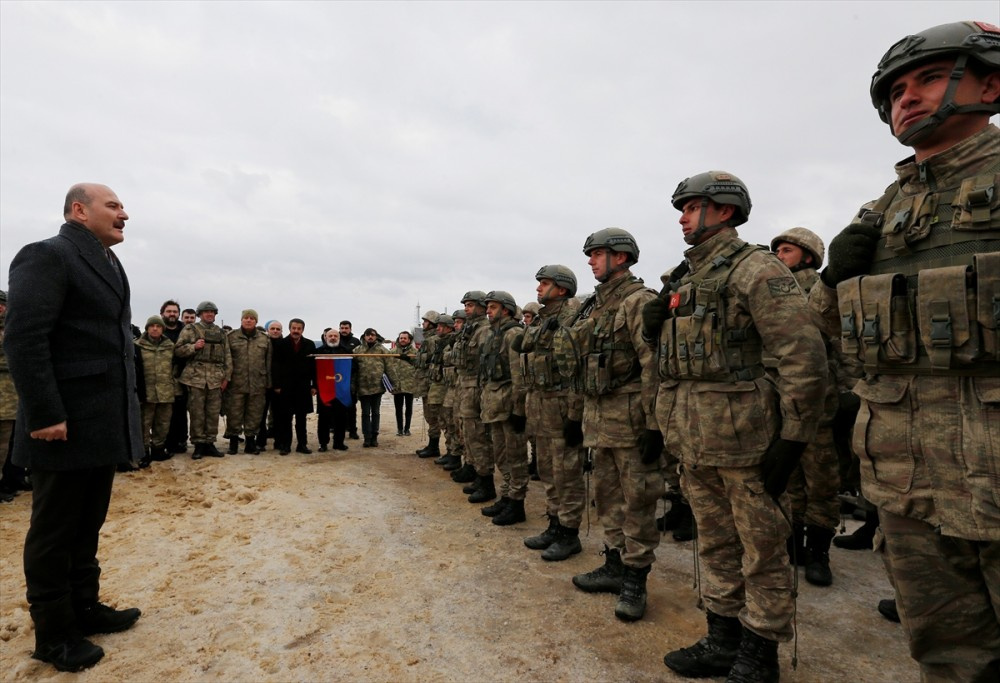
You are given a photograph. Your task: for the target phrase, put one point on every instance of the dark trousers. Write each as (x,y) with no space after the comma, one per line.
(178,434)
(333,417)
(60,550)
(352,418)
(262,429)
(283,423)
(401,400)
(371,413)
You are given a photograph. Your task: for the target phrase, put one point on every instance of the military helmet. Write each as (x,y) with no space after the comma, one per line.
(719,186)
(563,276)
(504,299)
(431,317)
(615,239)
(804,239)
(460,313)
(532,307)
(206,306)
(476,296)
(446,320)
(973,39)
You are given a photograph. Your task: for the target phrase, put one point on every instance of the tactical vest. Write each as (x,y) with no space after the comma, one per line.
(609,360)
(465,362)
(435,360)
(213,352)
(539,366)
(694,341)
(931,304)
(494,363)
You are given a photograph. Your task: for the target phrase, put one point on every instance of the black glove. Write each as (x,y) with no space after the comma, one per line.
(405,359)
(653,315)
(552,325)
(651,445)
(573,433)
(780,461)
(518,423)
(851,253)
(516,344)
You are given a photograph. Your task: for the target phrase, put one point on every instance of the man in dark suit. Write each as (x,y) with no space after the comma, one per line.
(293,376)
(68,343)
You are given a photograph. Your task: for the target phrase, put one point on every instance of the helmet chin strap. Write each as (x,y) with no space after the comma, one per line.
(925,127)
(695,235)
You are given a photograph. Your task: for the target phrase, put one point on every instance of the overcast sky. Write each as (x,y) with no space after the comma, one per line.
(330,160)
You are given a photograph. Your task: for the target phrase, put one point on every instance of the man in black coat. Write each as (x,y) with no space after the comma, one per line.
(69,346)
(293,377)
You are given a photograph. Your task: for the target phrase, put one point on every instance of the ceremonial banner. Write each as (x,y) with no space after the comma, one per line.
(333,379)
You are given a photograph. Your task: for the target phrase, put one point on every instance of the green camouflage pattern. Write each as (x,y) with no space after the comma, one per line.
(157,369)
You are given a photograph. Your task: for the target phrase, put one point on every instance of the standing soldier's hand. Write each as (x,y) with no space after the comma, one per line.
(780,461)
(573,433)
(651,445)
(851,254)
(653,315)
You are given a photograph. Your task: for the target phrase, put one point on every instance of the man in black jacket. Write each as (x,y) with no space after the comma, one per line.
(69,346)
(293,377)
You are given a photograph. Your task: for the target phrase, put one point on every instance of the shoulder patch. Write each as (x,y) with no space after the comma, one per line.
(782,286)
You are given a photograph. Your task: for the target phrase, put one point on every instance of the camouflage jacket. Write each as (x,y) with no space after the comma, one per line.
(715,405)
(537,372)
(408,378)
(465,352)
(209,366)
(423,360)
(616,371)
(933,285)
(251,359)
(367,377)
(157,368)
(496,360)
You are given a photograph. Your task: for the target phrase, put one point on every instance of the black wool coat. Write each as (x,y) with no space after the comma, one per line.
(68,342)
(294,372)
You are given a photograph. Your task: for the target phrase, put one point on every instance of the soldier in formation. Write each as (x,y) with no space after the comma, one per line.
(156,387)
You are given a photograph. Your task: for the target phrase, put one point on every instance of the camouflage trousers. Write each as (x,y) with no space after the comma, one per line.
(156,423)
(204,407)
(434,415)
(948,597)
(243,413)
(741,548)
(477,446)
(626,492)
(813,486)
(561,470)
(510,453)
(452,426)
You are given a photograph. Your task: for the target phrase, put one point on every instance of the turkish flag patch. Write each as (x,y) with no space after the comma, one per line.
(675,300)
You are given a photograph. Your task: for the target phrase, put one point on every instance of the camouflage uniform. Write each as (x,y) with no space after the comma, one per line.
(617,377)
(560,467)
(719,413)
(161,388)
(465,358)
(928,430)
(498,401)
(432,391)
(245,395)
(443,364)
(205,371)
(367,378)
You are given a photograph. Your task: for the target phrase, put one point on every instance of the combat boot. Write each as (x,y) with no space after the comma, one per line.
(441,459)
(432,449)
(198,453)
(714,654)
(455,464)
(796,545)
(547,537)
(818,555)
(250,447)
(99,618)
(756,662)
(672,517)
(605,579)
(159,453)
(887,608)
(632,599)
(496,508)
(234,446)
(568,543)
(512,514)
(486,491)
(209,450)
(464,474)
(862,537)
(686,529)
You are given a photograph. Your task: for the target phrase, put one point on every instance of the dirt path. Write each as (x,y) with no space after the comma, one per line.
(370,565)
